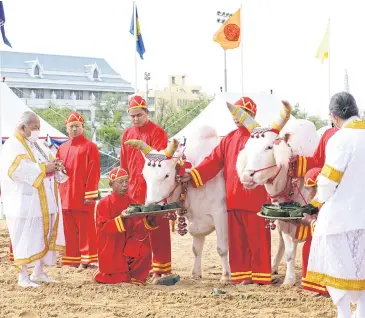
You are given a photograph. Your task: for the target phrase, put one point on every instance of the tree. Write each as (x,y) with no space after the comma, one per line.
(173,120)
(56,116)
(316,120)
(109,115)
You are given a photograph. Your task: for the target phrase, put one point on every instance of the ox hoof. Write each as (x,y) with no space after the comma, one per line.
(287,284)
(197,276)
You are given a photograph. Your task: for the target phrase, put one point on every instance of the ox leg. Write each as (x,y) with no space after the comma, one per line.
(198,243)
(279,254)
(221,229)
(290,254)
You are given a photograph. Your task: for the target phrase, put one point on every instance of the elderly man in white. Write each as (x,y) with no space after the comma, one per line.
(337,255)
(31,201)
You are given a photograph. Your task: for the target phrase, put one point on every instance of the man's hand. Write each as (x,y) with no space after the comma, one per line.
(186,177)
(151,220)
(307,219)
(50,166)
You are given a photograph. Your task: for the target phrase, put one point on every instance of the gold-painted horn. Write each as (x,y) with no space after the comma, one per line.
(139,144)
(279,123)
(171,148)
(243,117)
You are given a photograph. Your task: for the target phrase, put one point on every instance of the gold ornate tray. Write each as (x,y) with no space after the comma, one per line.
(125,214)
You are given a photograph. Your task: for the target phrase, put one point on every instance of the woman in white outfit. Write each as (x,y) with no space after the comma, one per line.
(337,256)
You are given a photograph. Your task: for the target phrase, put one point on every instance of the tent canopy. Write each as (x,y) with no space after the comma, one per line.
(217,115)
(12,107)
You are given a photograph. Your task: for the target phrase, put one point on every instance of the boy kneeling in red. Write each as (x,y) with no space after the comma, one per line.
(123,244)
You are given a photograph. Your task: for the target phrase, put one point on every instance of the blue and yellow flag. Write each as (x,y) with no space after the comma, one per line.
(2,22)
(139,44)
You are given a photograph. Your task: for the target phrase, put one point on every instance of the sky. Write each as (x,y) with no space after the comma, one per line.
(280,39)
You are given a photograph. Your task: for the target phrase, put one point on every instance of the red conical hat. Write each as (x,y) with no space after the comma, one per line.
(310,179)
(247,103)
(117,173)
(74,117)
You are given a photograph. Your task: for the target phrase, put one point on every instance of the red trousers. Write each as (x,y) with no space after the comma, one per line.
(249,246)
(161,247)
(80,237)
(139,269)
(304,233)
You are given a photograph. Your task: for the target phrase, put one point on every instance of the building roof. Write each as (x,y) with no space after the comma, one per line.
(57,70)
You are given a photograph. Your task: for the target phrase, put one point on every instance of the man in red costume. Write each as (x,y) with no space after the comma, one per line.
(81,159)
(304,164)
(304,233)
(248,239)
(123,243)
(132,160)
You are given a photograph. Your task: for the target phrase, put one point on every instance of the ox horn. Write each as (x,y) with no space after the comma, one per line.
(139,144)
(243,117)
(279,123)
(171,148)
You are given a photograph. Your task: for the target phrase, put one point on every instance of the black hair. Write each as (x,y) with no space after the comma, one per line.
(343,105)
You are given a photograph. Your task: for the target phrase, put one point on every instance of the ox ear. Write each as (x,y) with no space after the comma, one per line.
(282,151)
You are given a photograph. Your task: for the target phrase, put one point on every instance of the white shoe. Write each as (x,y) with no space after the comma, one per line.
(26,282)
(42,278)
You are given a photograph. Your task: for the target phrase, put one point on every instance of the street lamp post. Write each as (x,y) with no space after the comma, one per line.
(221,18)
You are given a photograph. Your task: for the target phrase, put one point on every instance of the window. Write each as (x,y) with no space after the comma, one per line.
(79,95)
(173,80)
(96,74)
(36,70)
(195,91)
(39,93)
(18,92)
(98,95)
(59,94)
(86,114)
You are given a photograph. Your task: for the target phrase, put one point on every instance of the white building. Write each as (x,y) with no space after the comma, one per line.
(70,81)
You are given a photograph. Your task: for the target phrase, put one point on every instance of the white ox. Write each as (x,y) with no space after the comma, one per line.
(206,206)
(265,160)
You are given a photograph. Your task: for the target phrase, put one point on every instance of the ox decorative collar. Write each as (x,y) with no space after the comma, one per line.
(155,158)
(260,131)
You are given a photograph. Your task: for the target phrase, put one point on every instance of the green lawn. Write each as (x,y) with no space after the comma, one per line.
(104,183)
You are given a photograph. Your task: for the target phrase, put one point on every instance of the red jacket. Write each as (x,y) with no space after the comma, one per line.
(224,156)
(132,160)
(318,159)
(119,238)
(82,162)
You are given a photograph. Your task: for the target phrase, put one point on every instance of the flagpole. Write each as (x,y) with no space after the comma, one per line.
(135,43)
(329,59)
(241,47)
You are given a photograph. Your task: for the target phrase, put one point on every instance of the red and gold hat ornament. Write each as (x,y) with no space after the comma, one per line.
(74,117)
(247,104)
(310,179)
(136,101)
(117,173)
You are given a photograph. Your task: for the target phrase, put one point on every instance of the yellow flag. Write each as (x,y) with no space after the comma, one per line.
(322,52)
(229,34)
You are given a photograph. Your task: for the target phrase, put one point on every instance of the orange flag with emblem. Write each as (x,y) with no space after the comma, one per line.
(229,34)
